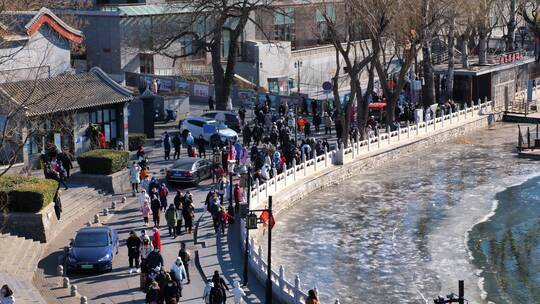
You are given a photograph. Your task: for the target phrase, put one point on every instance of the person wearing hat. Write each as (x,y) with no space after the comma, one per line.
(171,292)
(152,296)
(171,216)
(133,244)
(185,256)
(178,273)
(154,259)
(178,201)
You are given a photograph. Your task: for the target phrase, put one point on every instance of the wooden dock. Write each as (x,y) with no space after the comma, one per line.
(530,154)
(531,118)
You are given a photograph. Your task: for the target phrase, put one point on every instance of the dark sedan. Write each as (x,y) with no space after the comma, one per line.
(190,170)
(93,249)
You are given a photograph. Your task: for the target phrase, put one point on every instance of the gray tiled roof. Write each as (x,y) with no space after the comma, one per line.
(65,92)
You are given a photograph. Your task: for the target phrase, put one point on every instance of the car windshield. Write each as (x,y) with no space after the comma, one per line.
(184,164)
(94,239)
(218,125)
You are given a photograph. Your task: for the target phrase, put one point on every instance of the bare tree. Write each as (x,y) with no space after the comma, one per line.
(356,55)
(209,25)
(530,11)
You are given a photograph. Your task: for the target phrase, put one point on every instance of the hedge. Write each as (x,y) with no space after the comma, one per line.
(26,194)
(136,140)
(103,161)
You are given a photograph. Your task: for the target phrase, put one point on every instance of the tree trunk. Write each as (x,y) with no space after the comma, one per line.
(465,52)
(511,27)
(482,46)
(428,91)
(449,93)
(363,104)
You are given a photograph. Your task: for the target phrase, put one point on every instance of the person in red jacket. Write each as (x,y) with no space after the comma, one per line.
(238,197)
(156,239)
(102,141)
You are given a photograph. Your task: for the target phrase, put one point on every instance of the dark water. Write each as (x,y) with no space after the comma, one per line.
(398,233)
(507,246)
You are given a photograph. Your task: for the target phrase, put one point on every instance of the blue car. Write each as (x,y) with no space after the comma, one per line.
(93,248)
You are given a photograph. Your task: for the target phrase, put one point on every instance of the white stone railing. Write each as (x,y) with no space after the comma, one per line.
(293,293)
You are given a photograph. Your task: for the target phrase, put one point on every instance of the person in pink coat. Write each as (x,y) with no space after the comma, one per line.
(156,239)
(146,212)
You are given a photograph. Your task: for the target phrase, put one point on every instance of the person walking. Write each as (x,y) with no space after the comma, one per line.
(163,192)
(178,201)
(65,160)
(185,256)
(145,250)
(134,178)
(246,135)
(153,293)
(179,275)
(166,145)
(317,122)
(220,283)
(238,293)
(57,205)
(210,103)
(201,145)
(6,295)
(154,259)
(206,292)
(146,212)
(171,217)
(133,244)
(327,120)
(312,297)
(188,212)
(238,197)
(156,239)
(155,205)
(177,142)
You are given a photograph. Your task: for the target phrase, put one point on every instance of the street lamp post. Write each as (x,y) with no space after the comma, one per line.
(251,223)
(298,65)
(246,260)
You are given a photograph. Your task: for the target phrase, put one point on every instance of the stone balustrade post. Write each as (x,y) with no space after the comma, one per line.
(251,248)
(399,132)
(281,277)
(285,174)
(417,128)
(378,139)
(304,166)
(105,211)
(408,129)
(96,219)
(113,205)
(434,123)
(426,125)
(451,115)
(74,290)
(294,169)
(465,107)
(353,150)
(325,157)
(60,270)
(266,188)
(315,161)
(442,121)
(66,283)
(124,199)
(368,143)
(260,259)
(257,191)
(388,133)
(84,300)
(297,290)
(275,180)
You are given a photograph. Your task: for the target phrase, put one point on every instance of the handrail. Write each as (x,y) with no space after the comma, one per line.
(286,291)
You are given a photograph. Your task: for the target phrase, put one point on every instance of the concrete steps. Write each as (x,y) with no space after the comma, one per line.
(76,202)
(24,255)
(23,291)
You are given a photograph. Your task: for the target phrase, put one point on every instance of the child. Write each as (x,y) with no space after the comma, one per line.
(146,212)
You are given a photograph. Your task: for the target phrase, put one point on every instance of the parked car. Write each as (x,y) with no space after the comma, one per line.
(196,125)
(93,248)
(189,170)
(231,119)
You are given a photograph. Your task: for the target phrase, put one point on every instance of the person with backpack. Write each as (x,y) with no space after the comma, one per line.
(221,286)
(171,216)
(57,205)
(163,192)
(155,205)
(185,256)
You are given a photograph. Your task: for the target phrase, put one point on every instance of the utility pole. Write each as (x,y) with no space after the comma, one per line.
(246,255)
(298,65)
(269,262)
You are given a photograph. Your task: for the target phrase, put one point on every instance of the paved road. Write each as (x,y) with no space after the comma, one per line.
(215,253)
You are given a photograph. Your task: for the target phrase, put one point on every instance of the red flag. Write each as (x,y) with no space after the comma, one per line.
(268,219)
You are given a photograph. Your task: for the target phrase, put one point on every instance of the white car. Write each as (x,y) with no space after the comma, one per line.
(197,125)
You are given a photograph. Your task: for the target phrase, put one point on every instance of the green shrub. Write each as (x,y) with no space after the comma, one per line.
(136,140)
(26,194)
(103,161)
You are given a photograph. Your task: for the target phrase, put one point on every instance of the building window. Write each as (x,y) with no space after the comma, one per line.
(106,120)
(147,63)
(284,27)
